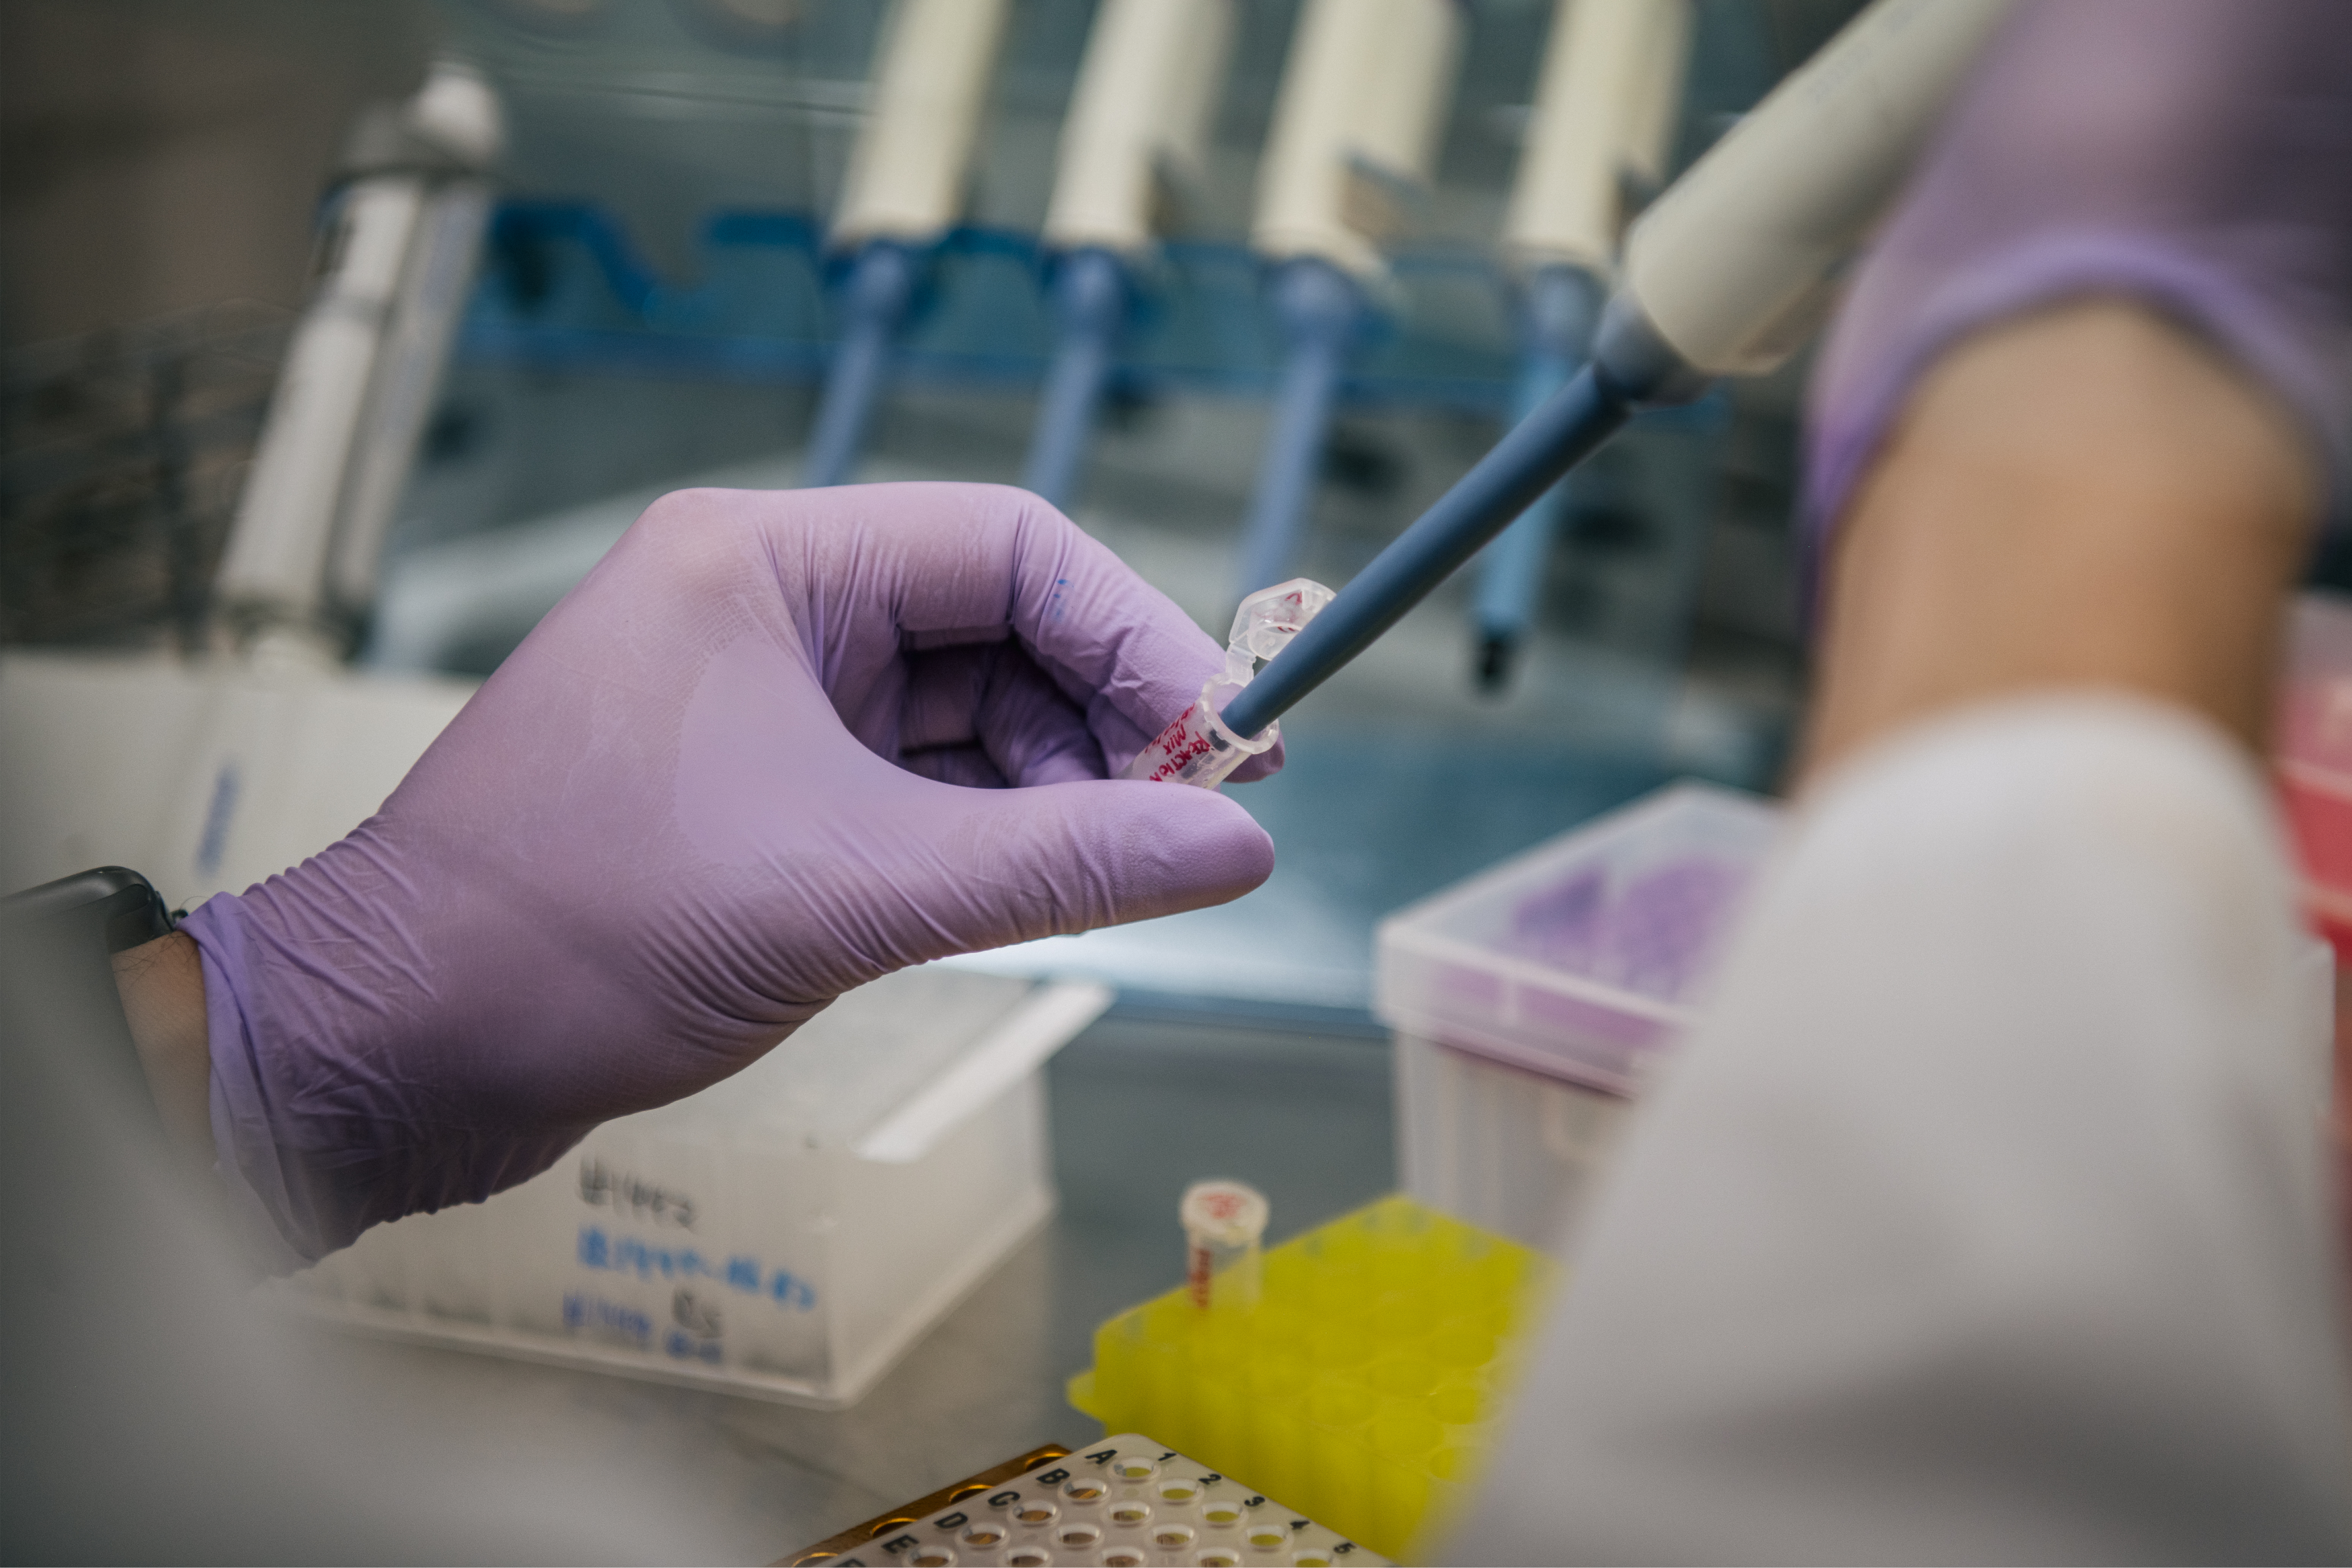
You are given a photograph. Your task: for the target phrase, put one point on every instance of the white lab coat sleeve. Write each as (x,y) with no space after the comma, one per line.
(1983,1218)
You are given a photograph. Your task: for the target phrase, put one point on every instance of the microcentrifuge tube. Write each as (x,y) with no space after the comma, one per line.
(1223,1222)
(1198,748)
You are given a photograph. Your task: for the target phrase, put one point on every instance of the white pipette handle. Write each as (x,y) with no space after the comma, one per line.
(1734,267)
(905,179)
(1604,113)
(1138,113)
(361,372)
(1223,1224)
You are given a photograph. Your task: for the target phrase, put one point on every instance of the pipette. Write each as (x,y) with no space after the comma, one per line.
(906,186)
(1200,747)
(1605,117)
(1725,275)
(1356,126)
(1138,122)
(404,226)
(1225,1222)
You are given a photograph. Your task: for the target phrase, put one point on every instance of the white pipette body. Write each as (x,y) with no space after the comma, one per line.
(1139,119)
(905,179)
(1198,747)
(1602,126)
(1735,266)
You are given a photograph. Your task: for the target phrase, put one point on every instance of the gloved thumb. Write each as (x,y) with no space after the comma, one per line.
(1017,864)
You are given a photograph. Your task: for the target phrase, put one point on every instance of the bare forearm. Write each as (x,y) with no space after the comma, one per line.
(161,984)
(2086,496)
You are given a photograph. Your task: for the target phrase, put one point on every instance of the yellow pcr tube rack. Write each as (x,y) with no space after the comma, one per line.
(1363,1387)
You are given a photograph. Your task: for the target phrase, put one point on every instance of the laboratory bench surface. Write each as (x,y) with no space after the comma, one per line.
(1143,1103)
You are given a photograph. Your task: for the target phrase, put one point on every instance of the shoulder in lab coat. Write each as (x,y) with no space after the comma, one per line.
(1985,1219)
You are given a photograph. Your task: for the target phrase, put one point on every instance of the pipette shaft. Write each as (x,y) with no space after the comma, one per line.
(1725,274)
(1522,466)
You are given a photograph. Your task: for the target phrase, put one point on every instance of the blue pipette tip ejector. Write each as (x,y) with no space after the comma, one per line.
(880,287)
(1321,310)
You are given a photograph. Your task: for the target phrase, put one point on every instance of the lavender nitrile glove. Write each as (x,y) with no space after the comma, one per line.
(757,758)
(2195,155)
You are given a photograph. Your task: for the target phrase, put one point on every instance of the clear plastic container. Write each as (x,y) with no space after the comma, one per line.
(787,1232)
(1529,1000)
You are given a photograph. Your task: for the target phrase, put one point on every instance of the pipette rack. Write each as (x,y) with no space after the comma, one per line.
(1365,1387)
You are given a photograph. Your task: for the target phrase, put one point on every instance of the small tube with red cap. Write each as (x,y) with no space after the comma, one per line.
(1225,1222)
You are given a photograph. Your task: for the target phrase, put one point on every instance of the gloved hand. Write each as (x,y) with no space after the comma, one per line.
(757,757)
(2195,155)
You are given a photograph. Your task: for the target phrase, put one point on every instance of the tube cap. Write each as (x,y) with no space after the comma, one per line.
(1227,1213)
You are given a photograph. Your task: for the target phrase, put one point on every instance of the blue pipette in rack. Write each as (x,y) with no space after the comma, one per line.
(1727,274)
(1134,139)
(1354,141)
(904,190)
(1606,104)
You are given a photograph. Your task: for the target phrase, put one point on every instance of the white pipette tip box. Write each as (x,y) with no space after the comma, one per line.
(786,1233)
(1123,1502)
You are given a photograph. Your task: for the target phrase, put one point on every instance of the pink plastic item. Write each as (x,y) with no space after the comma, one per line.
(2314,758)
